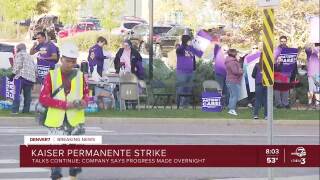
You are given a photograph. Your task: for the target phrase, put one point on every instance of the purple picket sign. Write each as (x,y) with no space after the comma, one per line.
(289,59)
(43,68)
(219,61)
(3,86)
(10,89)
(205,35)
(252,57)
(211,102)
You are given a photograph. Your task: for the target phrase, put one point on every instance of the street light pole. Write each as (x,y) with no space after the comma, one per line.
(135,8)
(150,40)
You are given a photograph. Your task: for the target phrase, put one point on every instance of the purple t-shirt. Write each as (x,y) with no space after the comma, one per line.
(219,66)
(313,62)
(186,59)
(46,50)
(96,57)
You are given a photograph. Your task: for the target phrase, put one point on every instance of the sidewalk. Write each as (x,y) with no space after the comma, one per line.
(314,177)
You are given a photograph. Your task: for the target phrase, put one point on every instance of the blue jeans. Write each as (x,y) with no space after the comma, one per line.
(222,82)
(234,91)
(261,100)
(184,86)
(281,98)
(26,88)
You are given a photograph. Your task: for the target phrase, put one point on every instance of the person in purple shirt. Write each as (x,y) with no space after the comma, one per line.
(96,56)
(48,51)
(219,55)
(313,65)
(281,97)
(48,55)
(186,65)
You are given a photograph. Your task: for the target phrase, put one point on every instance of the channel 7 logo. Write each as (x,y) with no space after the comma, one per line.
(301,153)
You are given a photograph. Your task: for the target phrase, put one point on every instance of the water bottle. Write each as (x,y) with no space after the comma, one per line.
(1,104)
(5,105)
(95,107)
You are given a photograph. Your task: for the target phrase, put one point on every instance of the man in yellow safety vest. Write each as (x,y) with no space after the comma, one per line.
(65,93)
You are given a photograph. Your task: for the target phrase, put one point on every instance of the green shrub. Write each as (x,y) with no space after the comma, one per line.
(168,76)
(5,72)
(302,91)
(87,39)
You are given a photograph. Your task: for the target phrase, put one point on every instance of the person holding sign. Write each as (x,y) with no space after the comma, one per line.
(186,65)
(23,69)
(313,65)
(48,55)
(219,56)
(285,71)
(65,93)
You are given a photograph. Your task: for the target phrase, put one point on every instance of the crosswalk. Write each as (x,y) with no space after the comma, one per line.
(12,130)
(10,168)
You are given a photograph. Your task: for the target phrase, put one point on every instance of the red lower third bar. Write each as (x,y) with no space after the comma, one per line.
(170,156)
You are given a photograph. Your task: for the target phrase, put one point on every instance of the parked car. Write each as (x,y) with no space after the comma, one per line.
(173,37)
(165,37)
(127,23)
(6,55)
(139,35)
(94,20)
(79,28)
(46,23)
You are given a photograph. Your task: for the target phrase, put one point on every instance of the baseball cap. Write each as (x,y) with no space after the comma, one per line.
(69,50)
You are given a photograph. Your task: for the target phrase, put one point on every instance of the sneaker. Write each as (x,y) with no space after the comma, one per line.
(255,117)
(233,112)
(250,105)
(14,113)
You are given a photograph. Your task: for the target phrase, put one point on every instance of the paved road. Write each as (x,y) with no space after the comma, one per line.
(163,131)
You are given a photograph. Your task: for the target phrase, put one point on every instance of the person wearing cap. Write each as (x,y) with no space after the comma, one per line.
(186,66)
(233,79)
(65,114)
(23,69)
(96,56)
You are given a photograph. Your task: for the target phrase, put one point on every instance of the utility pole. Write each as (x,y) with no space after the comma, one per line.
(150,40)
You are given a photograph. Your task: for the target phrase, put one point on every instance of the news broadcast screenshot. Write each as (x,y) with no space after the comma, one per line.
(159,90)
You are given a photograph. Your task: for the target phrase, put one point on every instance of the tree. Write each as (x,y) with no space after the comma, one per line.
(68,10)
(290,19)
(165,8)
(16,10)
(13,10)
(43,6)
(109,12)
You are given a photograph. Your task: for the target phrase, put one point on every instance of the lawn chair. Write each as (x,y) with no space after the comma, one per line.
(159,91)
(143,92)
(128,89)
(211,85)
